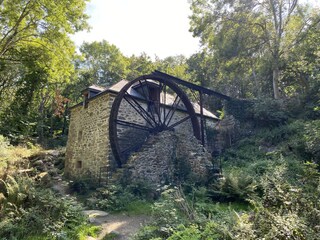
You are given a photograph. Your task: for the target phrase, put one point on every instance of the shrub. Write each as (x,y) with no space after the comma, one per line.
(284,211)
(4,144)
(82,186)
(266,112)
(312,138)
(15,193)
(235,186)
(269,112)
(31,212)
(170,211)
(211,230)
(113,198)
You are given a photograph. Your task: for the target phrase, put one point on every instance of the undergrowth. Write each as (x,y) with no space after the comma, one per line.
(28,209)
(11,156)
(269,190)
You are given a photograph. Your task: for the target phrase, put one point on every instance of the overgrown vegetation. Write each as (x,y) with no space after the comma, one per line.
(29,210)
(269,190)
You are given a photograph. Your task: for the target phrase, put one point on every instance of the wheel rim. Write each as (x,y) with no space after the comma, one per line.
(147,105)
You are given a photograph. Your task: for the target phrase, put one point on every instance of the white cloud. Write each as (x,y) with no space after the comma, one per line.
(156,27)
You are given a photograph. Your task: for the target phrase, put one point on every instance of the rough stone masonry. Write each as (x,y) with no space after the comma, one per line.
(170,157)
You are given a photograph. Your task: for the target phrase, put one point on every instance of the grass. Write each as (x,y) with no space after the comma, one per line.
(236,206)
(87,230)
(110,236)
(11,155)
(139,207)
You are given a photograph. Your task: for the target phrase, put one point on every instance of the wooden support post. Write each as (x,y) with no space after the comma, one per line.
(201,119)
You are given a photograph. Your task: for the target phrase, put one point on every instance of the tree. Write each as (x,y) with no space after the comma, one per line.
(252,30)
(174,65)
(35,56)
(103,63)
(140,65)
(42,24)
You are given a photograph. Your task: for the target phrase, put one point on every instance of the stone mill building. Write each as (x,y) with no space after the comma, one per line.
(137,125)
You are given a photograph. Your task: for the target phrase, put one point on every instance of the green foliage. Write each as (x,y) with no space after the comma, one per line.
(35,62)
(240,109)
(82,186)
(29,212)
(110,236)
(285,210)
(175,66)
(14,194)
(84,230)
(4,144)
(171,210)
(140,65)
(102,64)
(247,45)
(235,186)
(269,112)
(140,189)
(195,232)
(115,198)
(312,138)
(264,112)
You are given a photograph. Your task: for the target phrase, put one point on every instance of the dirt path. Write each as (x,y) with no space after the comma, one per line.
(121,226)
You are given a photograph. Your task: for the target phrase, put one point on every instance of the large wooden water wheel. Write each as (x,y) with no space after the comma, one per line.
(147,105)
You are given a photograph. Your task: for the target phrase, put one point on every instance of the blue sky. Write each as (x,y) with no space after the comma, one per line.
(156,27)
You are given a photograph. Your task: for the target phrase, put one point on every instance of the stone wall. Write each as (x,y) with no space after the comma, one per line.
(169,157)
(88,146)
(226,131)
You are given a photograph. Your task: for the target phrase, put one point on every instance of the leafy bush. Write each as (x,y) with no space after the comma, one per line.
(13,195)
(30,212)
(269,112)
(284,211)
(241,109)
(235,186)
(141,189)
(4,144)
(11,156)
(170,211)
(113,198)
(82,186)
(211,230)
(312,138)
(266,112)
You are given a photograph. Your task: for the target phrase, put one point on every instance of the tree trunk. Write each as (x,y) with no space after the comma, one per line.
(275,81)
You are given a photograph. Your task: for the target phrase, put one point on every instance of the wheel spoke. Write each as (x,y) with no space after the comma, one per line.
(147,98)
(164,103)
(131,149)
(143,92)
(172,110)
(133,125)
(140,110)
(150,104)
(179,122)
(159,107)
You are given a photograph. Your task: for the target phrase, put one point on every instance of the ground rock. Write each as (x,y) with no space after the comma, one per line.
(43,178)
